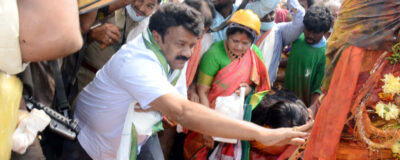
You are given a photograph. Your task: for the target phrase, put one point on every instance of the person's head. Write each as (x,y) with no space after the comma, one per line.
(243,28)
(269,17)
(268,21)
(219,4)
(317,21)
(278,109)
(206,8)
(176,27)
(280,114)
(145,7)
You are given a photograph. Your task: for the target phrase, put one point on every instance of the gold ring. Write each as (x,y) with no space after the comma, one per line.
(295,129)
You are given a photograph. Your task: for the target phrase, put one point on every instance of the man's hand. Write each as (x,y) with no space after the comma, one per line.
(106,34)
(283,136)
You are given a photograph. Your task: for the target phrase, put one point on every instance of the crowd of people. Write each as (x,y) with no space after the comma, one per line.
(143,78)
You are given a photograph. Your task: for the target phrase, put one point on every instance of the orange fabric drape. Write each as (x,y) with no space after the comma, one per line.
(369,24)
(193,63)
(329,123)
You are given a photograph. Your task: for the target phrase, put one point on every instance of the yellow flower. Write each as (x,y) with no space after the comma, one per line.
(396,148)
(387,111)
(392,84)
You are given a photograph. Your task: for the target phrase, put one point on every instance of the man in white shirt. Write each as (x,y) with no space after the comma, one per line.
(142,71)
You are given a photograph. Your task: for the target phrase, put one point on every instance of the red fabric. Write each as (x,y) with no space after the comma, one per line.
(255,155)
(271,153)
(329,123)
(202,154)
(228,150)
(287,153)
(228,79)
(193,63)
(280,15)
(193,147)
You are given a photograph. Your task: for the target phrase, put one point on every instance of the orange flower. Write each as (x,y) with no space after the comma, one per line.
(385,96)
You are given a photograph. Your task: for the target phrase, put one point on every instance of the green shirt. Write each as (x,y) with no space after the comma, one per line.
(215,59)
(305,70)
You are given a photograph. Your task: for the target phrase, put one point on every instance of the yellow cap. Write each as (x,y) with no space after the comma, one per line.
(246,18)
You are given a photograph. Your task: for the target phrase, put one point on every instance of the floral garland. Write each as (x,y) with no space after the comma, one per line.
(390,88)
(385,108)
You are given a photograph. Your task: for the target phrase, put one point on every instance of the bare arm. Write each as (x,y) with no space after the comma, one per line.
(48,29)
(204,120)
(87,20)
(203,91)
(290,31)
(119,4)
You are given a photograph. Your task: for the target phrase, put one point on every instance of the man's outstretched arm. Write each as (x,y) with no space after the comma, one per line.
(199,118)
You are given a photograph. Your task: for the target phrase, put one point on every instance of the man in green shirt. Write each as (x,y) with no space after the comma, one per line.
(306,63)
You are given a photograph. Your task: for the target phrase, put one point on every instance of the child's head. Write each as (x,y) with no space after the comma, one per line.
(282,109)
(278,109)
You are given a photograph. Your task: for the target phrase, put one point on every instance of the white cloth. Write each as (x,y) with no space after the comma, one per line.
(10,53)
(267,45)
(206,42)
(36,121)
(138,30)
(144,121)
(231,106)
(132,74)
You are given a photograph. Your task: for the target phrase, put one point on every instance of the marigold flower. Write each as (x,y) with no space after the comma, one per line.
(387,111)
(385,96)
(396,148)
(392,84)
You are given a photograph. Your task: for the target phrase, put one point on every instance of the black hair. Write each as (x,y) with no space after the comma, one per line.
(281,109)
(318,19)
(233,30)
(176,14)
(204,10)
